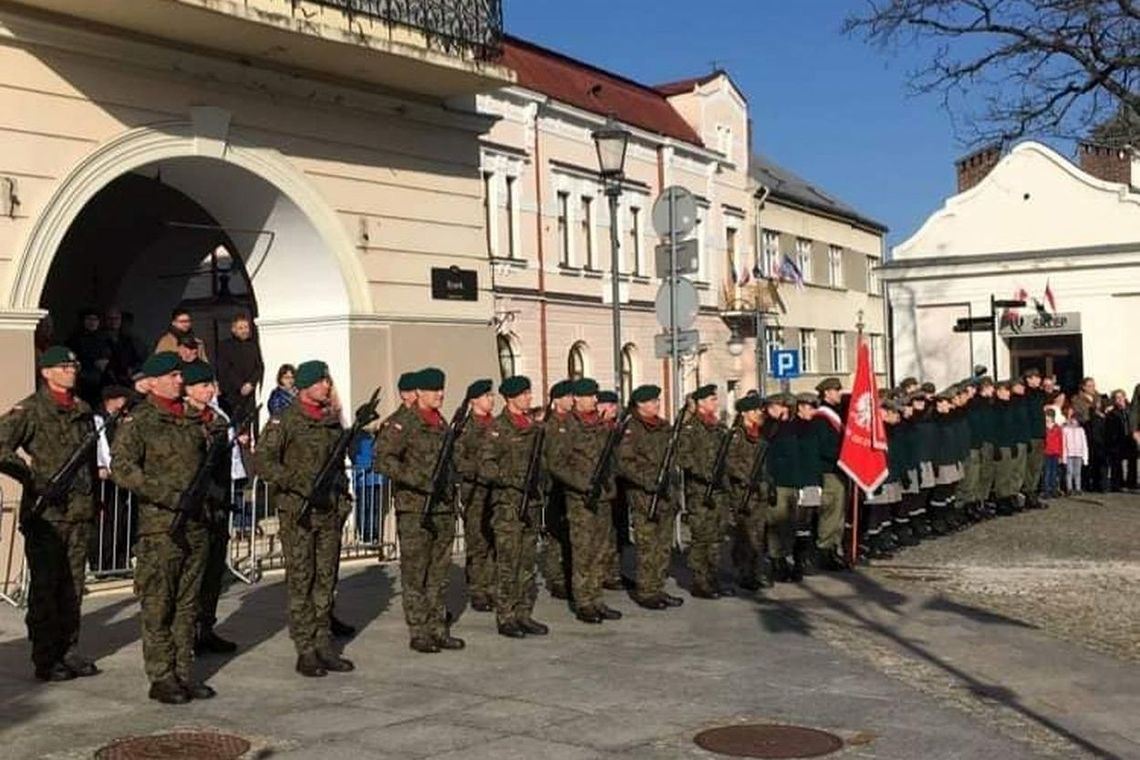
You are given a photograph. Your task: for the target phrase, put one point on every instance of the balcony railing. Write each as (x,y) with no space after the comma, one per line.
(450,26)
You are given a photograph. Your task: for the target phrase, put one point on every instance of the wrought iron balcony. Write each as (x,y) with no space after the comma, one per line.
(451,26)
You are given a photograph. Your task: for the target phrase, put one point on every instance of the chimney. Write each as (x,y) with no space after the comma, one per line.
(1112,164)
(973,168)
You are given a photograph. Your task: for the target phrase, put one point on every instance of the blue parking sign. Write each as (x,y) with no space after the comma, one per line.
(785,363)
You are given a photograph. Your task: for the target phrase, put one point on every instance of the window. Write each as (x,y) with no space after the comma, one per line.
(702,254)
(628,352)
(872,276)
(588,231)
(564,229)
(576,361)
(807,351)
(773,338)
(878,356)
(803,258)
(489,214)
(835,266)
(770,258)
(635,240)
(507,359)
(512,221)
(838,352)
(730,261)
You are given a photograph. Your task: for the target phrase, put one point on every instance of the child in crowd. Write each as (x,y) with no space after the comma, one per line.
(1054,450)
(1075,447)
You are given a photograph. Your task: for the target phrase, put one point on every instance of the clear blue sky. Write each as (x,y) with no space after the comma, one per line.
(829,107)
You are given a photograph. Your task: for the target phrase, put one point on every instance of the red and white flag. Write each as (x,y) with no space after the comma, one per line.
(863,454)
(1049,299)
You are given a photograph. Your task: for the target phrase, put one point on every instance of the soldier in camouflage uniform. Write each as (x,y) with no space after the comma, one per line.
(581,440)
(611,559)
(696,456)
(749,512)
(48,426)
(407,458)
(640,454)
(156,452)
(291,451)
(504,465)
(479,538)
(554,549)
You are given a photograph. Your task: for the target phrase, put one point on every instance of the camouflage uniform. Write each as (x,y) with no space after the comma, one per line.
(475,496)
(748,520)
(639,456)
(503,465)
(696,456)
(579,443)
(55,542)
(156,451)
(554,553)
(406,455)
(290,452)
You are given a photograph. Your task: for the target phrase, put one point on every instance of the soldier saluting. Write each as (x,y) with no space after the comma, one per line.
(291,451)
(49,426)
(156,452)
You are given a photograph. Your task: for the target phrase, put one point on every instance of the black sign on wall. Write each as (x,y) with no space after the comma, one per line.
(454,284)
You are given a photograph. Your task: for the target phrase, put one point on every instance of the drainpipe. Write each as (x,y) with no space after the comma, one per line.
(538,175)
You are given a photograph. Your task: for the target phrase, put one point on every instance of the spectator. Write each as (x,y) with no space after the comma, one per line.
(368,484)
(190,349)
(1120,446)
(1089,411)
(1076,451)
(1054,450)
(125,357)
(111,541)
(181,326)
(94,354)
(239,368)
(283,395)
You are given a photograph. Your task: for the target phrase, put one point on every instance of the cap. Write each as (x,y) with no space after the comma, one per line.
(928,387)
(562,389)
(407,382)
(116,391)
(749,403)
(783,399)
(56,356)
(514,386)
(197,372)
(704,392)
(309,373)
(607,397)
(188,340)
(643,393)
(829,384)
(807,398)
(162,363)
(430,379)
(585,386)
(479,388)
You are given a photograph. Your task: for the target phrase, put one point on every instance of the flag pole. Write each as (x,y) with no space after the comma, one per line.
(854,556)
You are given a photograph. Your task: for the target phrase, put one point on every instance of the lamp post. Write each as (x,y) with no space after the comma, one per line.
(611,142)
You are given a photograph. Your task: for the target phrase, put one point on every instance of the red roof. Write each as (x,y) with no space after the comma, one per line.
(685,85)
(592,89)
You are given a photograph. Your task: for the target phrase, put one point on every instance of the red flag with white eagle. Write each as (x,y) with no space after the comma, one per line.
(863,454)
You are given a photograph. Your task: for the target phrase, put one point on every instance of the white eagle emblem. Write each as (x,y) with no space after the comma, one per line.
(863,410)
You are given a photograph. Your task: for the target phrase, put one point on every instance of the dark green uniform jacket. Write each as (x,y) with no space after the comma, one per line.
(407,456)
(291,451)
(641,452)
(580,449)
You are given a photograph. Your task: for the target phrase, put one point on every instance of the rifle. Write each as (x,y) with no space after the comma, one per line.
(605,462)
(441,472)
(755,475)
(664,470)
(533,465)
(194,496)
(63,478)
(721,461)
(334,462)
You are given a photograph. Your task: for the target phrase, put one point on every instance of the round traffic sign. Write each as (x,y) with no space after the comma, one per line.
(683,218)
(687,303)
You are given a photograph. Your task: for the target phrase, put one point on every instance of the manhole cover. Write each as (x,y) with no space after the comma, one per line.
(192,745)
(768,741)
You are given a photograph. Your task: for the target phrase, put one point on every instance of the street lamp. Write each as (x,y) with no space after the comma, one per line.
(735,344)
(611,142)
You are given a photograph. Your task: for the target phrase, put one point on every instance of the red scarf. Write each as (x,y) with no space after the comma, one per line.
(170,405)
(520,421)
(652,422)
(710,419)
(431,417)
(313,411)
(589,418)
(64,398)
(752,431)
(207,415)
(483,420)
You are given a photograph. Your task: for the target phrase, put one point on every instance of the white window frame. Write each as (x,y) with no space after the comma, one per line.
(878,355)
(700,230)
(773,339)
(565,230)
(635,232)
(809,345)
(835,266)
(803,259)
(838,351)
(872,276)
(590,223)
(511,197)
(491,213)
(770,259)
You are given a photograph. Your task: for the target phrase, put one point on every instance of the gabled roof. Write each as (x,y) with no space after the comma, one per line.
(592,89)
(686,85)
(789,186)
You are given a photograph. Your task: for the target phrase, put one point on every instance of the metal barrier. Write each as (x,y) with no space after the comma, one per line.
(14,591)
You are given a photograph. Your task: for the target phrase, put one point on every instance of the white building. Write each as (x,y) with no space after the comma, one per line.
(1022,223)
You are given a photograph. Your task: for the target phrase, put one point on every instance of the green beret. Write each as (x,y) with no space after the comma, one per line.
(514,385)
(807,398)
(928,387)
(197,372)
(704,392)
(607,397)
(643,393)
(562,389)
(56,356)
(829,384)
(407,382)
(430,379)
(310,373)
(585,386)
(979,370)
(479,388)
(162,363)
(749,403)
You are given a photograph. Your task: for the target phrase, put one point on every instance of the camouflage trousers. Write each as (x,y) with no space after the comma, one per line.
(516,549)
(747,532)
(706,530)
(168,577)
(832,512)
(1034,465)
(619,527)
(479,539)
(213,574)
(589,538)
(987,471)
(653,540)
(781,522)
(312,556)
(57,559)
(425,559)
(554,551)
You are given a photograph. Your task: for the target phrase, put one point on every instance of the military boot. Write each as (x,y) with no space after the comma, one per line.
(81,666)
(656,602)
(55,673)
(481,604)
(609,613)
(197,689)
(702,590)
(169,692)
(511,630)
(340,629)
(424,645)
(208,641)
(447,641)
(310,666)
(589,615)
(532,627)
(334,663)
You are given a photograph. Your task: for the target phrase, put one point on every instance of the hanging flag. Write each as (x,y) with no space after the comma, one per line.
(791,273)
(745,274)
(1049,299)
(863,454)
